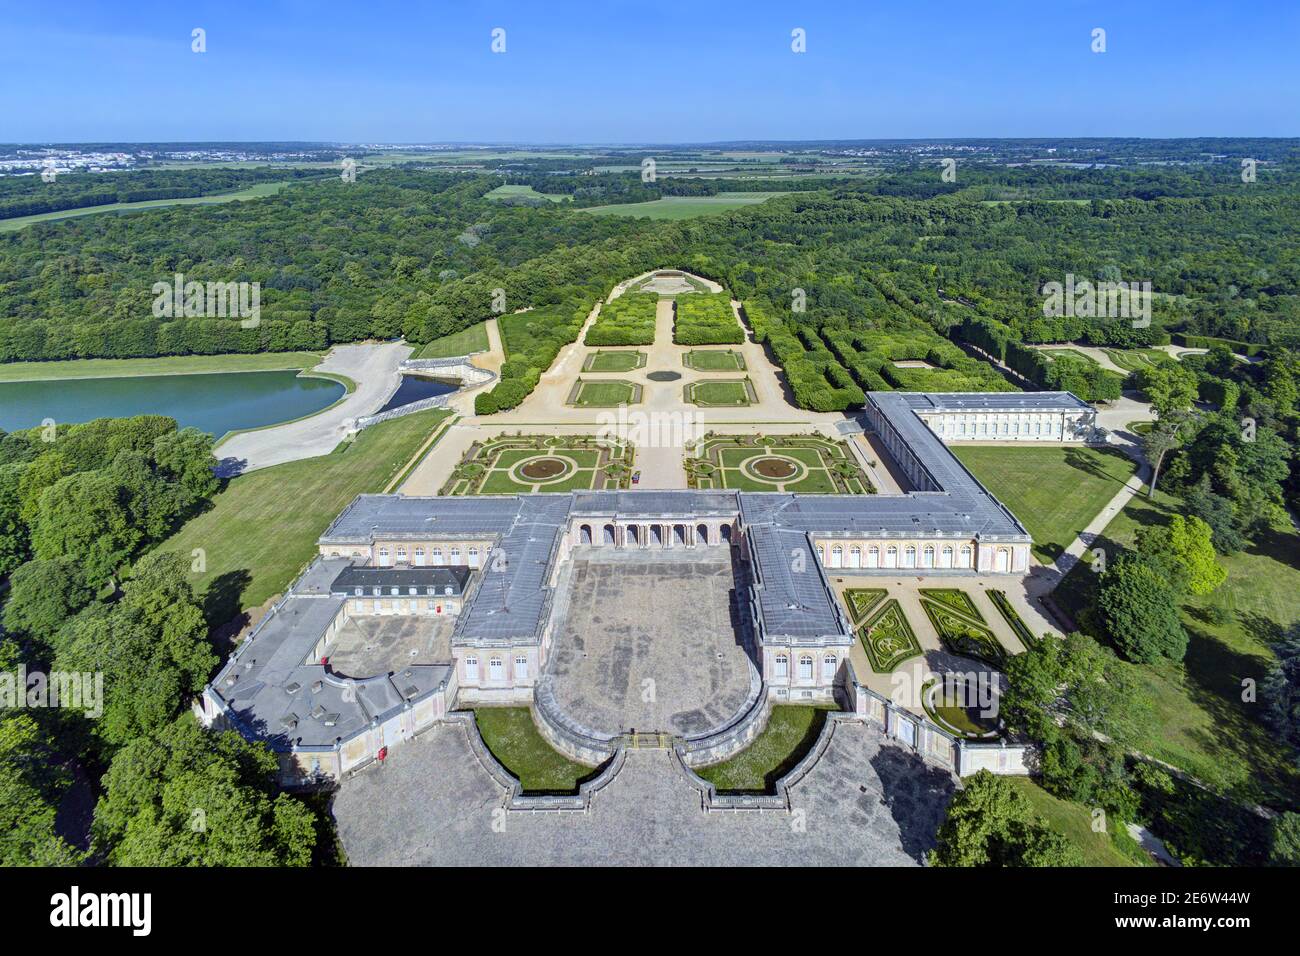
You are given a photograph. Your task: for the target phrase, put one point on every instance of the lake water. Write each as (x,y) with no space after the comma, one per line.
(215,403)
(416,388)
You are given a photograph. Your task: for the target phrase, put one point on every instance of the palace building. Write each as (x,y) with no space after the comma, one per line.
(464,587)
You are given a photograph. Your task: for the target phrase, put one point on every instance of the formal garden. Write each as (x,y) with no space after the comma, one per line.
(882,627)
(808,464)
(603,393)
(621,360)
(960,626)
(523,464)
(727,393)
(714,360)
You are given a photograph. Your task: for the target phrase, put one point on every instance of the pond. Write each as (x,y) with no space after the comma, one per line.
(215,403)
(416,388)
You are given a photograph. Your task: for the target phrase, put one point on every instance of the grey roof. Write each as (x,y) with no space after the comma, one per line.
(438,578)
(795,600)
(272,693)
(992,401)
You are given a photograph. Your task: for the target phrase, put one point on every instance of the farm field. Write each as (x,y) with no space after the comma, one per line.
(1068,487)
(523,192)
(464,342)
(256,191)
(536,463)
(685,207)
(808,464)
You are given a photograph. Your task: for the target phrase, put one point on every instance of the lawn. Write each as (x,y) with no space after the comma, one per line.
(887,638)
(464,342)
(255,191)
(164,365)
(714,360)
(513,739)
(1201,723)
(791,731)
(734,394)
(1054,491)
(523,192)
(684,207)
(1131,360)
(1074,822)
(262,527)
(604,394)
(622,361)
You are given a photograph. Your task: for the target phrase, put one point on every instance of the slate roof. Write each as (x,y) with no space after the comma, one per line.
(422,578)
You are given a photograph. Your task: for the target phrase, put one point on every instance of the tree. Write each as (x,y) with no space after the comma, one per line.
(1217,512)
(989,823)
(1189,542)
(1078,685)
(1163,438)
(1281,690)
(1140,611)
(44,594)
(1284,848)
(82,517)
(1170,387)
(184,796)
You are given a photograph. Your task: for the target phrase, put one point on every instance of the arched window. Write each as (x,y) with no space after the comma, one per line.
(891,556)
(965,556)
(455,555)
(909,557)
(419,557)
(828,666)
(837,557)
(473,557)
(401,555)
(471,668)
(383,557)
(855,557)
(873,557)
(437,555)
(927,557)
(782,666)
(805,667)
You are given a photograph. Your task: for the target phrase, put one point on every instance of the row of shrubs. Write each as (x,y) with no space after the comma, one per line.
(531,341)
(1084,378)
(870,355)
(1209,341)
(627,320)
(706,319)
(818,381)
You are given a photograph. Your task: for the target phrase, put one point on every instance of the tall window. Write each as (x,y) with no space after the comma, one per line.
(805,668)
(521,668)
(494,668)
(782,666)
(471,668)
(828,666)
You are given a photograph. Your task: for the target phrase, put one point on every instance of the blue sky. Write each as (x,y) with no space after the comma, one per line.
(609,71)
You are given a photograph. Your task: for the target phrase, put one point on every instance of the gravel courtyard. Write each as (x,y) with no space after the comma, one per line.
(646,642)
(865,803)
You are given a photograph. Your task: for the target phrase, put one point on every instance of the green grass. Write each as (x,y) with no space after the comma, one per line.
(684,207)
(711,394)
(262,527)
(791,732)
(165,365)
(256,191)
(1054,492)
(1074,822)
(828,466)
(714,360)
(606,394)
(887,638)
(464,342)
(1201,723)
(1131,360)
(523,192)
(613,361)
(513,739)
(489,469)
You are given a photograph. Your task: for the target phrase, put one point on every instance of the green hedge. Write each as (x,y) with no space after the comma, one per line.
(706,319)
(627,320)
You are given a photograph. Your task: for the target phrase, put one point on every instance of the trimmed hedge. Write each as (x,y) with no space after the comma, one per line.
(705,319)
(627,320)
(531,339)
